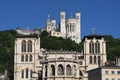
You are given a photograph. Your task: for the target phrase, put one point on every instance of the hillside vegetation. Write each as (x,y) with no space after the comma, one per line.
(7,39)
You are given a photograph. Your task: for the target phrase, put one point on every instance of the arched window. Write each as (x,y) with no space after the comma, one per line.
(26,58)
(97,47)
(91,47)
(23,47)
(94,59)
(29,46)
(60,70)
(80,73)
(68,70)
(53,69)
(22,73)
(22,58)
(27,73)
(30,57)
(90,59)
(46,71)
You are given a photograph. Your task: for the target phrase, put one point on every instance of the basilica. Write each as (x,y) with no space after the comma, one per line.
(32,62)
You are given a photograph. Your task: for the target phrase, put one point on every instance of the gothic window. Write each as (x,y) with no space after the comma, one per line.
(22,58)
(91,47)
(29,46)
(31,73)
(26,58)
(27,73)
(53,69)
(30,57)
(60,70)
(68,70)
(23,46)
(97,47)
(22,73)
(90,59)
(95,59)
(46,71)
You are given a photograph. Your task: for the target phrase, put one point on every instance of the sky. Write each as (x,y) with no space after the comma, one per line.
(103,15)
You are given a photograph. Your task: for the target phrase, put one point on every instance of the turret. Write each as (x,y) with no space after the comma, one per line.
(62,24)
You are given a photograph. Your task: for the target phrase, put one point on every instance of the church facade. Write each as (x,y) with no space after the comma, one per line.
(31,62)
(67,28)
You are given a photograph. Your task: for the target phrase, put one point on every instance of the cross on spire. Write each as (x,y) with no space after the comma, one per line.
(93,30)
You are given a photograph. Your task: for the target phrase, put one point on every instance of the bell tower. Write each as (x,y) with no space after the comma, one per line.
(94,51)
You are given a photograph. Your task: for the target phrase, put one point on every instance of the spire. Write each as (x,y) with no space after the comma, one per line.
(48,19)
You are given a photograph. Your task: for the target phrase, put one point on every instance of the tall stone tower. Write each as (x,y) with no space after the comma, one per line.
(94,51)
(27,48)
(63,24)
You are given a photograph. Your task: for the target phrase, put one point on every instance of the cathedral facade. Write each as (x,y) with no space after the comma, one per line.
(31,62)
(68,28)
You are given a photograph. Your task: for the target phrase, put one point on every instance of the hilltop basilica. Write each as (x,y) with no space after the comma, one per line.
(31,62)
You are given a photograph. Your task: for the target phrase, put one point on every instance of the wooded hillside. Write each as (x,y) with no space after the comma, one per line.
(7,39)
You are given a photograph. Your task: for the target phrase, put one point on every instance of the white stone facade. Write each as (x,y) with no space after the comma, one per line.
(31,62)
(68,28)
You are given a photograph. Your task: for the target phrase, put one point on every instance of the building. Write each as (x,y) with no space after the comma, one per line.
(68,28)
(31,62)
(105,73)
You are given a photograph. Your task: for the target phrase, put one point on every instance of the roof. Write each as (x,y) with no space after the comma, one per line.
(91,36)
(27,36)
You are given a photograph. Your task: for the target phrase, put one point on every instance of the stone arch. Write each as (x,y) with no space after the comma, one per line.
(29,46)
(68,70)
(23,46)
(60,69)
(53,69)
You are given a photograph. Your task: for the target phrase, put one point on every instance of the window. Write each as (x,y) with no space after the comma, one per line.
(90,59)
(80,73)
(68,70)
(26,58)
(23,47)
(27,73)
(118,72)
(22,73)
(112,72)
(91,47)
(94,59)
(99,60)
(22,58)
(53,69)
(97,47)
(60,70)
(29,46)
(30,73)
(30,57)
(106,72)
